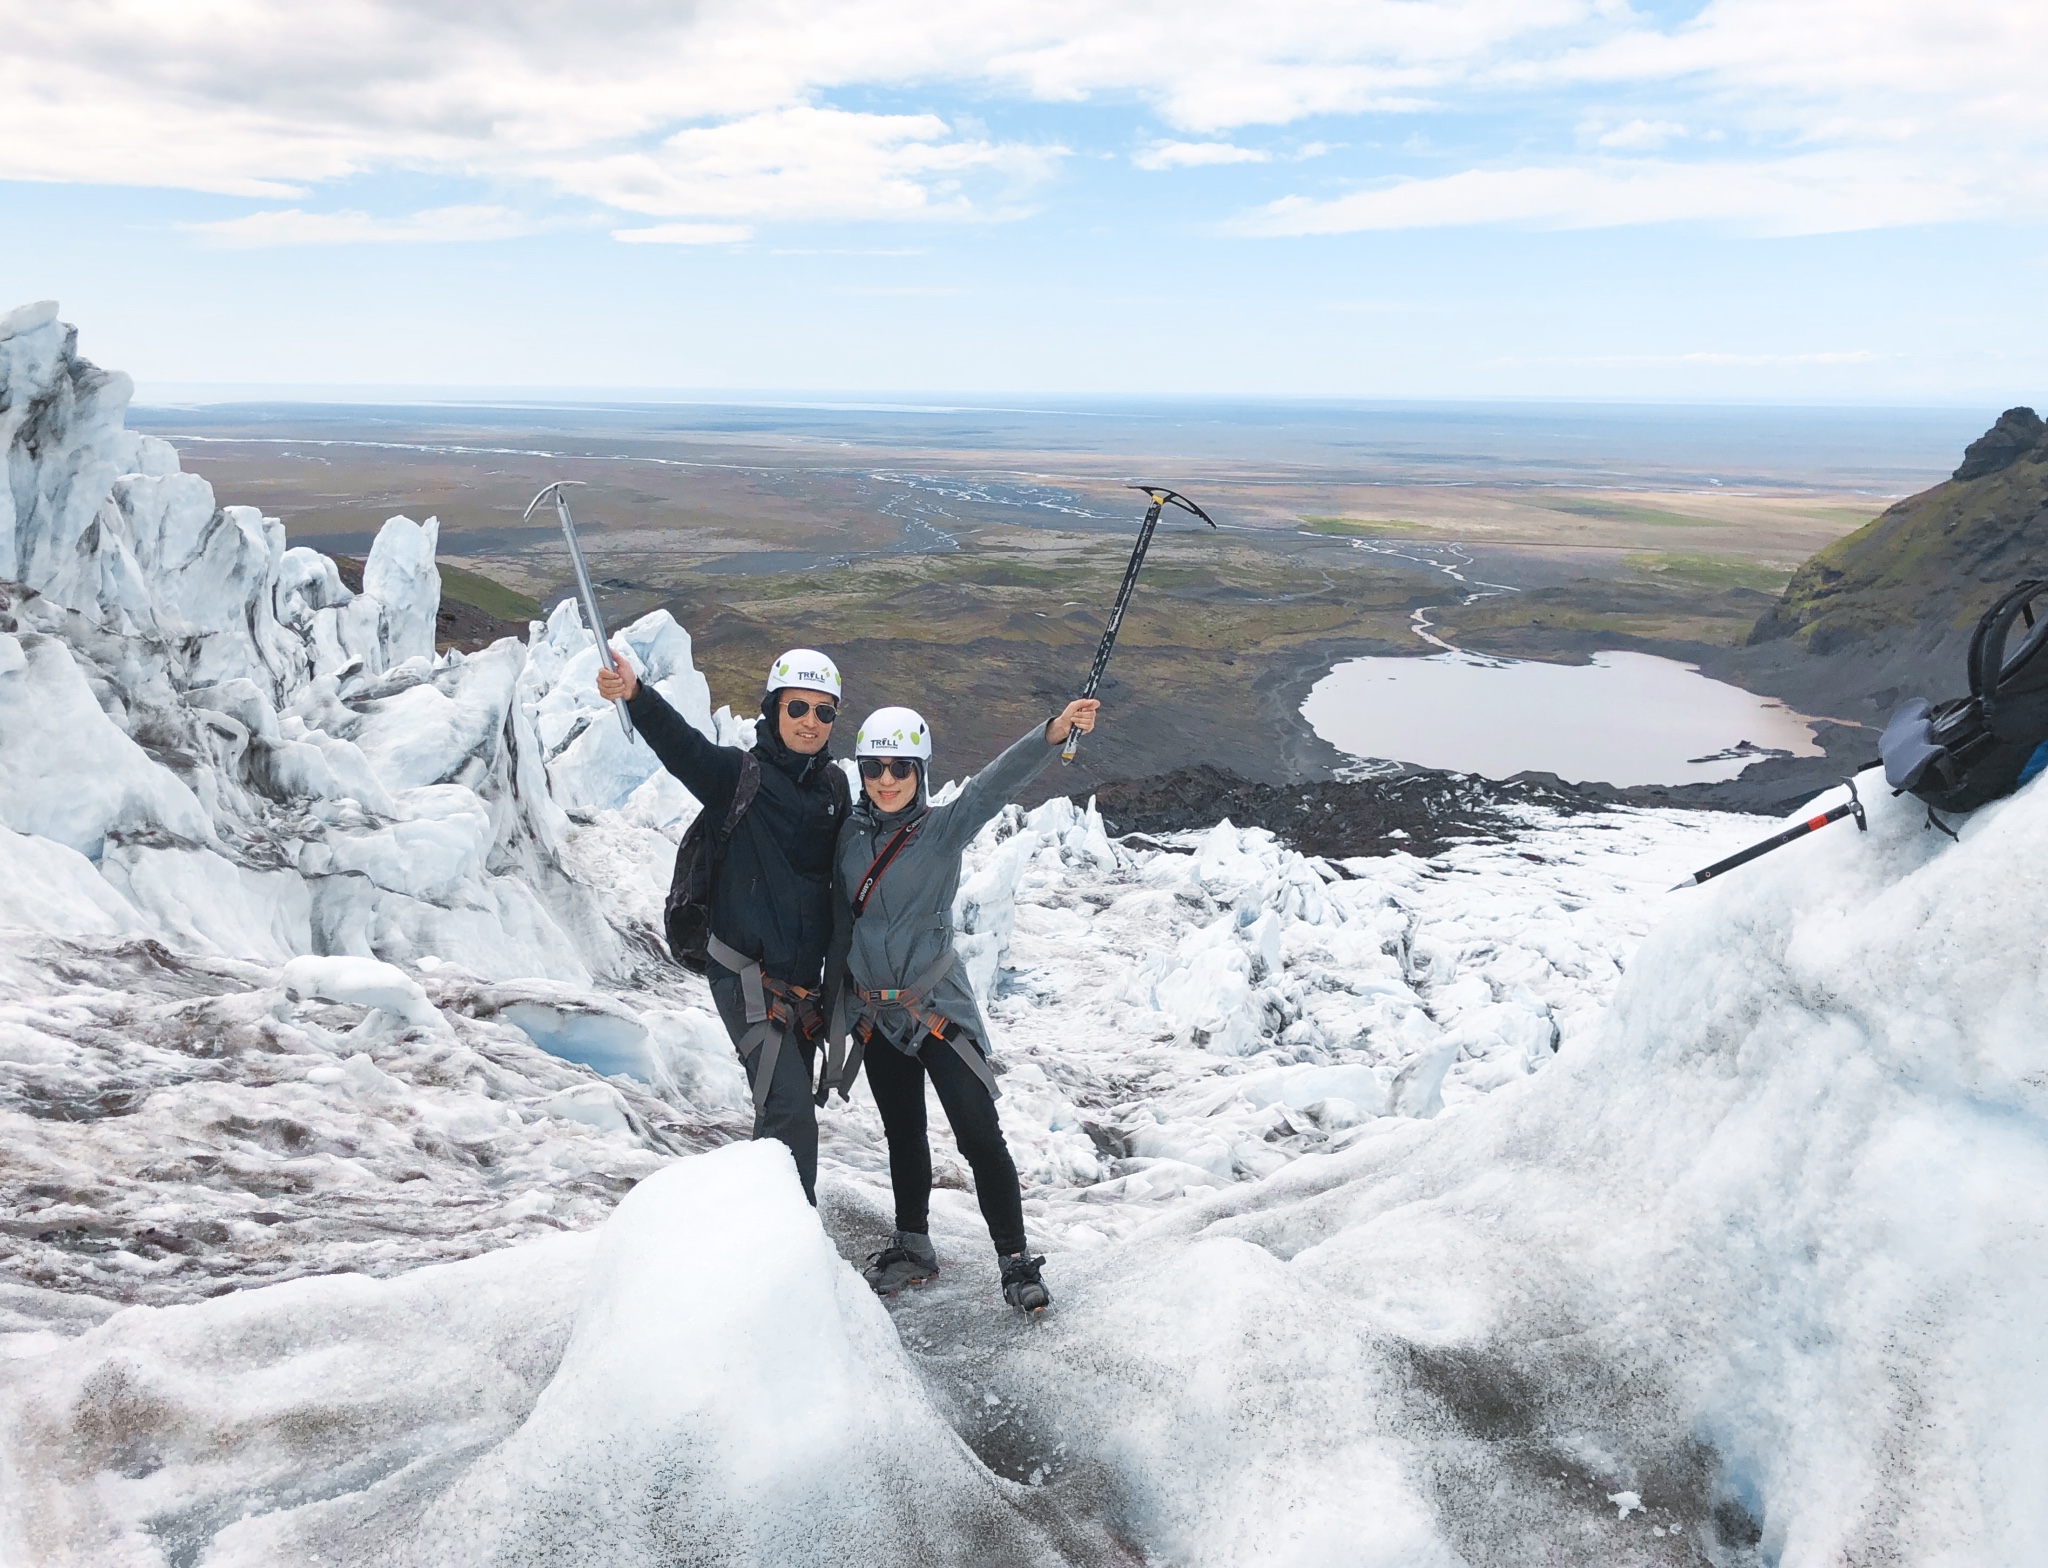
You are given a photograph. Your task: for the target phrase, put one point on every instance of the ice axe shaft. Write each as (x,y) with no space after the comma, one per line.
(1852,807)
(1161,499)
(583,588)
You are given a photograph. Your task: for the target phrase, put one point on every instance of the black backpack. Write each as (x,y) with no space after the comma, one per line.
(687,915)
(1969,751)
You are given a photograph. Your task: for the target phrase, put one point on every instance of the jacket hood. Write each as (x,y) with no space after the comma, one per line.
(769,747)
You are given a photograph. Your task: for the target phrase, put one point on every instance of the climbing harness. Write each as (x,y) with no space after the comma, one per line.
(908,1002)
(773,1009)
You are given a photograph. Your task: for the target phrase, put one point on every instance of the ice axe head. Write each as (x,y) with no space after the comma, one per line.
(554,490)
(1163,497)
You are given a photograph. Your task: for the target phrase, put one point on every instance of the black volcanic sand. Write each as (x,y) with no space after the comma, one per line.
(1418,813)
(1423,811)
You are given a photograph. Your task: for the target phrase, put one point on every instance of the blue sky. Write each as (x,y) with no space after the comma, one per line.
(1796,200)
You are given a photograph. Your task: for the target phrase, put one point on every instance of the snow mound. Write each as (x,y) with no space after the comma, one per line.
(708,1375)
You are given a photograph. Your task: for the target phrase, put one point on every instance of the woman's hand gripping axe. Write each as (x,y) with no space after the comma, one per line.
(583,588)
(1161,499)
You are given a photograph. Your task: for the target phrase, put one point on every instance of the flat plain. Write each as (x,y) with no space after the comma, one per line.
(963,559)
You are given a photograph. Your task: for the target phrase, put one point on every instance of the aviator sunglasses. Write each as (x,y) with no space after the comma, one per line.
(796,708)
(895,767)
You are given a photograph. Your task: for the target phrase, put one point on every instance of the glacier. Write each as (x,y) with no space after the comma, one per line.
(375,1191)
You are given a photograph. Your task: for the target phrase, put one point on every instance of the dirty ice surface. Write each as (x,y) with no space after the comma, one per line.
(375,1192)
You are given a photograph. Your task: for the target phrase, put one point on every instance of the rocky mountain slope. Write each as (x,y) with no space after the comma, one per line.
(1886,612)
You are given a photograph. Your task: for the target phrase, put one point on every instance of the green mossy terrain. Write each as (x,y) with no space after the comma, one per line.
(1625,512)
(1715,572)
(475,610)
(482,593)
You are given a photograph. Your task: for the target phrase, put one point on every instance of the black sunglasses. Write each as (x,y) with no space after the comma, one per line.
(895,767)
(796,708)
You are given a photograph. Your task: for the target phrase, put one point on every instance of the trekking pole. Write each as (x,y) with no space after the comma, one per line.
(583,588)
(1161,499)
(1852,807)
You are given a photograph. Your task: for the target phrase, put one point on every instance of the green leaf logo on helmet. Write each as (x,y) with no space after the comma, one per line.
(894,732)
(806,669)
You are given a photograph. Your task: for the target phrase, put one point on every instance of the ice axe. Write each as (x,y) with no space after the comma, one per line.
(1852,807)
(583,588)
(1162,498)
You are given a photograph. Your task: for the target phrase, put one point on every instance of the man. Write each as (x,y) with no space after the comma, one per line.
(771,900)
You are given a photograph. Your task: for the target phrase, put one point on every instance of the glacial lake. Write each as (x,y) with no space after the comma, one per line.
(1625,718)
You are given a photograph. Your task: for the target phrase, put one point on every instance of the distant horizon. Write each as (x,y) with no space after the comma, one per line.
(215,395)
(1878,449)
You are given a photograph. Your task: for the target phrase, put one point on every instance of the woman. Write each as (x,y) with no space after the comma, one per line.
(771,899)
(900,988)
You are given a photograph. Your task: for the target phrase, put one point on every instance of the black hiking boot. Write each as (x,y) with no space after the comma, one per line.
(1022,1288)
(911,1261)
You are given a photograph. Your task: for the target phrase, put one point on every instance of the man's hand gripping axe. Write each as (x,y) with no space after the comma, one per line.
(1161,499)
(583,589)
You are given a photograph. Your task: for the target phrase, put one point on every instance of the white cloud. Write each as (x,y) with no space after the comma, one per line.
(292,226)
(1641,135)
(686,234)
(803,163)
(1190,155)
(1811,194)
(719,109)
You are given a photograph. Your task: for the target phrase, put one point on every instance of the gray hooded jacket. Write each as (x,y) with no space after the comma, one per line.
(907,926)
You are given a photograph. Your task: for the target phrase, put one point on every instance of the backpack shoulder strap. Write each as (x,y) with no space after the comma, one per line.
(743,794)
(1988,664)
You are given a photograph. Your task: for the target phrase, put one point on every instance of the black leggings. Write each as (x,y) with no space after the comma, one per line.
(898,1084)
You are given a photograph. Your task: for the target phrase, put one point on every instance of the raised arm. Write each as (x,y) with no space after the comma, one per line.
(995,786)
(709,771)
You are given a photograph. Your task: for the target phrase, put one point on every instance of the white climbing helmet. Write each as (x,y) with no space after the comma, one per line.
(805,668)
(894,732)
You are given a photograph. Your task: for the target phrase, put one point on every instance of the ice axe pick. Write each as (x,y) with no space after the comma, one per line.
(1161,498)
(583,588)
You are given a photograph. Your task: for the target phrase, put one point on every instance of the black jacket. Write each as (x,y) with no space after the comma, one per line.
(773,897)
